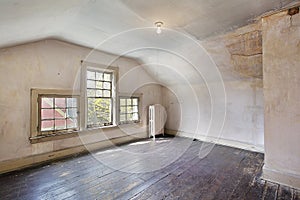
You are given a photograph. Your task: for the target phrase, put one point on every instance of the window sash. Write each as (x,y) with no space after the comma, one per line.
(103,78)
(55,119)
(126,110)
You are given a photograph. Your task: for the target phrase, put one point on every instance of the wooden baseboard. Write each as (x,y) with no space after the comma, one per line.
(283,178)
(30,161)
(221,141)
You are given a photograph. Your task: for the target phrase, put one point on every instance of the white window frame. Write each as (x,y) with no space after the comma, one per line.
(36,135)
(134,95)
(98,67)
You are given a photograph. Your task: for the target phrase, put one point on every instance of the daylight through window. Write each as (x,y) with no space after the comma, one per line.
(99,98)
(59,113)
(129,110)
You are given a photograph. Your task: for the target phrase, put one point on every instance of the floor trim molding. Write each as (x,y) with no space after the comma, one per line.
(280,177)
(221,141)
(34,160)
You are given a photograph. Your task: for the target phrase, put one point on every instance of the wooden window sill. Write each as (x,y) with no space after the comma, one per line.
(58,136)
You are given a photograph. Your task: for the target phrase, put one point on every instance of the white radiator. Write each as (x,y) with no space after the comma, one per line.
(157,118)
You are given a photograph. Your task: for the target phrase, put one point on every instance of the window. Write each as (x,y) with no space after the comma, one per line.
(57,113)
(129,110)
(53,113)
(100,95)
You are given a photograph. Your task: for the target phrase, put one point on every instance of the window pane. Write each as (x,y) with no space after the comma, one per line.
(90,84)
(123,109)
(71,123)
(135,116)
(60,124)
(99,76)
(106,93)
(72,102)
(47,102)
(122,118)
(60,113)
(72,113)
(135,101)
(91,111)
(99,93)
(99,111)
(47,125)
(91,93)
(122,102)
(60,102)
(129,117)
(99,85)
(107,77)
(134,109)
(102,107)
(47,114)
(106,85)
(129,109)
(128,101)
(90,75)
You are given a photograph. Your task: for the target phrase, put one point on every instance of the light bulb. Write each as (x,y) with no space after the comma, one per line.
(158,30)
(158,26)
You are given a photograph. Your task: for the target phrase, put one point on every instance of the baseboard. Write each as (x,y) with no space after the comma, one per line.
(221,141)
(280,177)
(30,161)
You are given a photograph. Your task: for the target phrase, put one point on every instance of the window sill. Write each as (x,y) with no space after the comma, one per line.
(101,127)
(130,123)
(58,136)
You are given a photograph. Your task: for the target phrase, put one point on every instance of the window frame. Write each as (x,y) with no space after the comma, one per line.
(36,135)
(84,99)
(135,95)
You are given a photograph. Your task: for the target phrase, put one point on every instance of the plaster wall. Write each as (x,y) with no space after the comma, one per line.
(238,56)
(281,57)
(56,65)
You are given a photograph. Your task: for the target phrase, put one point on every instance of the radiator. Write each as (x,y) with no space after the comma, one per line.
(157,118)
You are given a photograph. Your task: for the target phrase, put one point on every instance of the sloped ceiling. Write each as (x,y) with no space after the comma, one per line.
(87,22)
(127,26)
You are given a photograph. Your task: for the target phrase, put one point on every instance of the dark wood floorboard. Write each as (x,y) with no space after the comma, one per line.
(270,190)
(296,195)
(284,193)
(225,173)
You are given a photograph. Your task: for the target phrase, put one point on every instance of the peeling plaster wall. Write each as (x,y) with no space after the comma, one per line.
(281,57)
(238,56)
(56,65)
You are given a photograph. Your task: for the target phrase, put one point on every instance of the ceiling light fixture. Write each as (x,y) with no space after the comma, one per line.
(158,26)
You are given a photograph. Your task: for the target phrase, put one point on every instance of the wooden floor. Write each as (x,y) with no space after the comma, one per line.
(226,173)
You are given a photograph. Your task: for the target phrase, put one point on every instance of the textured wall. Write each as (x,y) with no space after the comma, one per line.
(54,64)
(238,56)
(281,57)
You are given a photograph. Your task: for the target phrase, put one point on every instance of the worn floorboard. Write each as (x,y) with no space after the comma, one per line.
(118,173)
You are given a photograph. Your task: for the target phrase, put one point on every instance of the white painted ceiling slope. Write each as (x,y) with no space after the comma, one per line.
(87,22)
(90,22)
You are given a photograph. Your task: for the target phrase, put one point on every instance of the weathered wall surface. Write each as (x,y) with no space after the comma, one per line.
(238,56)
(281,58)
(56,65)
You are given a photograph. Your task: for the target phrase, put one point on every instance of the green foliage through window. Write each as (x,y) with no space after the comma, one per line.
(99,98)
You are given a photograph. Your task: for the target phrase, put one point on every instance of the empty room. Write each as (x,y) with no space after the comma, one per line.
(161,99)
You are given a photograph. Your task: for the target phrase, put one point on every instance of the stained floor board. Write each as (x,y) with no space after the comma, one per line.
(119,173)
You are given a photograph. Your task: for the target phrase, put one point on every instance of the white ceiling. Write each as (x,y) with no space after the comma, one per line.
(88,22)
(122,26)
